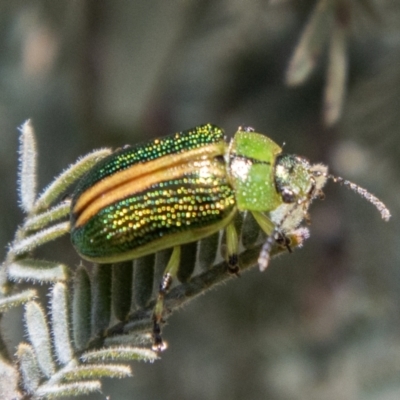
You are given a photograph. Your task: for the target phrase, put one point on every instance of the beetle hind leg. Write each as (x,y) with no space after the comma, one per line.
(166,282)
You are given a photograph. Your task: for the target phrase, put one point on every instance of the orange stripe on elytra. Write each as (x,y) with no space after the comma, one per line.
(112,182)
(143,182)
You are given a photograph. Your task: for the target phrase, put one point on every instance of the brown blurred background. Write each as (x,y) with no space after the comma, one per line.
(322,323)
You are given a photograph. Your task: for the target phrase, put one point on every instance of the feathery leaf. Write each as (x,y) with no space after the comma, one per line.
(8,381)
(207,250)
(27,170)
(59,323)
(97,371)
(17,299)
(337,72)
(143,280)
(29,367)
(69,389)
(39,336)
(81,308)
(37,271)
(68,177)
(46,218)
(38,239)
(120,353)
(122,289)
(101,297)
(311,43)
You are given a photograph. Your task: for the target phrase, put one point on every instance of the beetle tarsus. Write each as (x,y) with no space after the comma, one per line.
(158,343)
(233,264)
(284,241)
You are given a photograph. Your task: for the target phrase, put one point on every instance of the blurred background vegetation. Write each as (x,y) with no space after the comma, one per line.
(322,323)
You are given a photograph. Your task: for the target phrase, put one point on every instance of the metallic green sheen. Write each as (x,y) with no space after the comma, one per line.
(174,144)
(177,206)
(171,210)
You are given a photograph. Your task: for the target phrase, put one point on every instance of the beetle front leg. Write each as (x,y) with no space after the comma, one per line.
(169,274)
(232,244)
(284,241)
(273,236)
(264,257)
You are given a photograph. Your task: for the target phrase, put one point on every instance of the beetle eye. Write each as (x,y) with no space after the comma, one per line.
(288,196)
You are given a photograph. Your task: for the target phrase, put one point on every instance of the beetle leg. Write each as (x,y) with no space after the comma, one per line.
(168,277)
(232,244)
(268,227)
(284,241)
(273,236)
(264,222)
(264,257)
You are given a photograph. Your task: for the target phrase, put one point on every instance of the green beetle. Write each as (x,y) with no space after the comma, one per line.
(187,186)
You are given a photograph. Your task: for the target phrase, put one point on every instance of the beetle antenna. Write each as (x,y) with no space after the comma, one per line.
(380,206)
